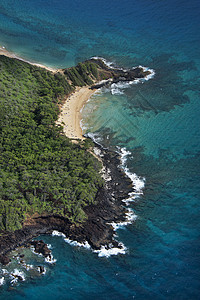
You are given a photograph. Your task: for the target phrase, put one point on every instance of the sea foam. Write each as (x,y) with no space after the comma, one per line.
(2,280)
(49,259)
(57,233)
(44,272)
(75,243)
(95,137)
(108,251)
(138,184)
(130,217)
(104,251)
(26,266)
(137,181)
(16,275)
(117,88)
(71,242)
(109,64)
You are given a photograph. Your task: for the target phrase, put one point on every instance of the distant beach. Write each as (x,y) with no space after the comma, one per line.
(7,53)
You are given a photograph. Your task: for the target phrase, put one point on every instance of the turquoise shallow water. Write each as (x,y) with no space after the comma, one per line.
(157,122)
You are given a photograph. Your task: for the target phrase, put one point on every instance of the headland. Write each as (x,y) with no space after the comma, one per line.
(88,215)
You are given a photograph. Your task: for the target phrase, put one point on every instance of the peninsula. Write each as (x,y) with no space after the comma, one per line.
(47,182)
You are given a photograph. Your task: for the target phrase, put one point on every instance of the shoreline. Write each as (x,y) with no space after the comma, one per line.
(109,210)
(70,113)
(71,109)
(98,230)
(5,52)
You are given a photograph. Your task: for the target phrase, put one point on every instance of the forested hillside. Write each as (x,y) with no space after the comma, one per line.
(40,169)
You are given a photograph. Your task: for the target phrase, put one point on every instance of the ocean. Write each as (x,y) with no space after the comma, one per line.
(155,123)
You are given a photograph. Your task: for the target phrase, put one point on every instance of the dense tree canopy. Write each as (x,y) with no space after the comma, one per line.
(40,169)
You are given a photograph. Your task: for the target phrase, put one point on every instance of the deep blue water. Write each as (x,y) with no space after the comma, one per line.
(157,122)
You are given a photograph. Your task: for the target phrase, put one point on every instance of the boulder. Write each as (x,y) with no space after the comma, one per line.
(4,260)
(41,248)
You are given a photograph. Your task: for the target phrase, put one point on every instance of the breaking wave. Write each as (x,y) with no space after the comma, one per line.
(118,88)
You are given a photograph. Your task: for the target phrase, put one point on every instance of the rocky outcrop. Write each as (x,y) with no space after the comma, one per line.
(4,260)
(108,206)
(96,230)
(118,74)
(41,248)
(41,269)
(36,226)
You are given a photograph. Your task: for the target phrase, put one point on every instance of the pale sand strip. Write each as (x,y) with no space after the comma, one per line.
(5,52)
(70,112)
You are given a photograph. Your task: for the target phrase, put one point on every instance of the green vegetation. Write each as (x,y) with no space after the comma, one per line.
(82,74)
(40,169)
(85,74)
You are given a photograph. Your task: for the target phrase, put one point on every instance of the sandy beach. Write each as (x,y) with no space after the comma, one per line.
(70,112)
(5,52)
(70,115)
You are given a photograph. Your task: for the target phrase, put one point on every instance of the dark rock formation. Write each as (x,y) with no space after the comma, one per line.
(41,248)
(108,208)
(96,230)
(118,74)
(17,276)
(41,269)
(4,260)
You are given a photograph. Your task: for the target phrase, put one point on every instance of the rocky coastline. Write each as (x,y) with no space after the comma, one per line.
(116,75)
(108,209)
(96,230)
